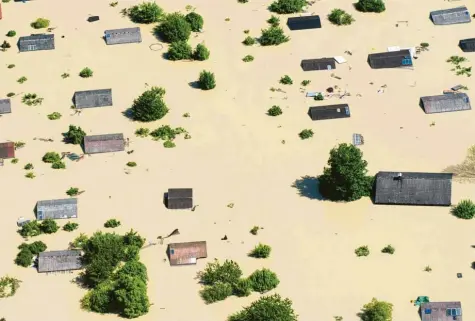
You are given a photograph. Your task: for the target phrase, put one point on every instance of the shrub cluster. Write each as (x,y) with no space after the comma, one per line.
(273,36)
(33,228)
(287,6)
(8,287)
(28,251)
(40,23)
(340,17)
(70,226)
(74,135)
(465,209)
(207,80)
(112,223)
(54,159)
(146,12)
(266,308)
(261,251)
(150,105)
(370,6)
(181,50)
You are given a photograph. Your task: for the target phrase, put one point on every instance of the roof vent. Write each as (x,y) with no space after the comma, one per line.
(398,177)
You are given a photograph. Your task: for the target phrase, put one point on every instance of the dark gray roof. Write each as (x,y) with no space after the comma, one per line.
(104,143)
(5,106)
(179,198)
(36,42)
(180,192)
(390,59)
(441,311)
(445,103)
(413,188)
(303,23)
(57,209)
(125,35)
(54,261)
(318,64)
(93,98)
(329,112)
(467,45)
(450,16)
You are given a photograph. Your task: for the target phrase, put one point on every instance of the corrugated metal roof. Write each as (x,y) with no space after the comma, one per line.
(450,16)
(186,253)
(55,261)
(445,103)
(36,42)
(93,98)
(57,209)
(122,36)
(5,106)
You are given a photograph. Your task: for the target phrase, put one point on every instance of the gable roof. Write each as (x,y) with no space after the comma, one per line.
(441,311)
(467,45)
(93,98)
(390,59)
(445,103)
(104,143)
(57,209)
(450,16)
(329,112)
(55,261)
(413,188)
(122,36)
(186,253)
(36,42)
(7,150)
(304,22)
(318,64)
(5,106)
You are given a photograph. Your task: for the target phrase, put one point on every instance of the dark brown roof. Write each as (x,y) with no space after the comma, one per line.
(441,311)
(7,150)
(186,253)
(104,143)
(59,261)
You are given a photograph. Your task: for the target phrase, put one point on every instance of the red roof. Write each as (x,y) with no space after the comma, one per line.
(186,253)
(7,150)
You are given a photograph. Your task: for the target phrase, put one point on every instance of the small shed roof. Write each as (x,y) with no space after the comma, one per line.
(93,98)
(121,36)
(7,150)
(55,261)
(104,143)
(450,16)
(467,45)
(304,22)
(36,42)
(57,209)
(441,311)
(5,106)
(186,253)
(318,64)
(390,59)
(329,112)
(180,193)
(413,188)
(445,103)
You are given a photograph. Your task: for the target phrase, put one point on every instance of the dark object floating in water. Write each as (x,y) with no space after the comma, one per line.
(224,238)
(93,18)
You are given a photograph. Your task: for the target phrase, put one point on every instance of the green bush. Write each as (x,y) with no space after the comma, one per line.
(248,58)
(54,116)
(388,249)
(10,66)
(179,50)
(10,94)
(35,247)
(249,41)
(274,111)
(273,21)
(286,80)
(32,228)
(131,164)
(263,280)
(287,6)
(242,288)
(40,23)
(51,157)
(15,160)
(370,6)
(319,96)
(74,135)
(146,12)
(150,105)
(377,310)
(58,165)
(8,287)
(174,28)
(86,72)
(207,80)
(305,82)
(165,132)
(69,227)
(267,308)
(11,33)
(465,209)
(216,292)
(28,166)
(142,132)
(5,45)
(228,272)
(254,230)
(72,191)
(112,223)
(306,134)
(49,226)
(273,36)
(22,79)
(24,258)
(79,241)
(201,53)
(261,251)
(340,17)
(362,251)
(195,20)
(169,144)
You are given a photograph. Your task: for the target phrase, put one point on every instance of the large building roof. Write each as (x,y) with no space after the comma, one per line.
(93,98)
(36,42)
(441,311)
(329,112)
(450,16)
(107,143)
(56,261)
(445,103)
(124,35)
(57,209)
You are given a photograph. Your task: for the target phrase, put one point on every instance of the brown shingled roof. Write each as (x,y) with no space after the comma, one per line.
(186,253)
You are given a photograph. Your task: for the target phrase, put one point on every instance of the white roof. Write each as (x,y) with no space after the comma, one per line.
(339,59)
(412,50)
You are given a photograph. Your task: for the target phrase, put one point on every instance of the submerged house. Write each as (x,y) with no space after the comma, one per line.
(121,36)
(411,188)
(303,23)
(57,209)
(329,112)
(7,150)
(467,45)
(108,143)
(93,98)
(390,59)
(5,106)
(445,103)
(179,198)
(318,64)
(441,311)
(36,43)
(57,261)
(186,253)
(450,16)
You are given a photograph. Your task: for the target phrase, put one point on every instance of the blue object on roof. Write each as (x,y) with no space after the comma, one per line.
(172,251)
(428,311)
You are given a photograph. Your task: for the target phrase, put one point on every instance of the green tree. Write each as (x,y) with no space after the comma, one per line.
(40,23)
(179,50)
(195,20)
(24,258)
(261,251)
(207,80)
(29,229)
(86,73)
(465,209)
(131,296)
(174,28)
(216,292)
(228,272)
(201,53)
(51,157)
(112,223)
(273,36)
(70,226)
(370,6)
(35,247)
(133,239)
(267,308)
(345,179)
(287,6)
(242,288)
(80,241)
(377,311)
(135,269)
(274,111)
(100,299)
(74,135)
(150,105)
(340,17)
(263,280)
(49,226)
(146,12)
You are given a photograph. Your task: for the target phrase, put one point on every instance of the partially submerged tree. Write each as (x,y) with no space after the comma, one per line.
(216,292)
(150,105)
(174,27)
(287,6)
(207,80)
(465,209)
(51,157)
(267,308)
(74,135)
(8,287)
(195,20)
(228,272)
(370,6)
(377,311)
(340,17)
(180,50)
(146,12)
(263,280)
(273,36)
(346,177)
(40,23)
(201,53)
(261,251)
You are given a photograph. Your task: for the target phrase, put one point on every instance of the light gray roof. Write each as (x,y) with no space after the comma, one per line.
(125,35)
(54,261)
(445,103)
(57,209)
(5,106)
(104,143)
(36,42)
(93,98)
(450,16)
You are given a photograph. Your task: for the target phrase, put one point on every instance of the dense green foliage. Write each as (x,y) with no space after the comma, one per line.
(465,209)
(49,226)
(207,80)
(242,288)
(267,308)
(174,28)
(40,23)
(228,272)
(261,251)
(150,105)
(370,6)
(165,132)
(273,36)
(179,50)
(340,17)
(201,53)
(362,251)
(195,20)
(146,12)
(35,247)
(112,223)
(287,6)
(249,41)
(70,226)
(216,292)
(263,280)
(72,191)
(306,134)
(74,135)
(389,249)
(33,228)
(274,111)
(51,157)
(8,287)
(377,311)
(79,241)
(273,21)
(11,33)
(286,80)
(345,179)
(28,251)
(86,73)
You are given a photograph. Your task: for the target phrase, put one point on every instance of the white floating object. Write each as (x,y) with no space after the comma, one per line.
(339,59)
